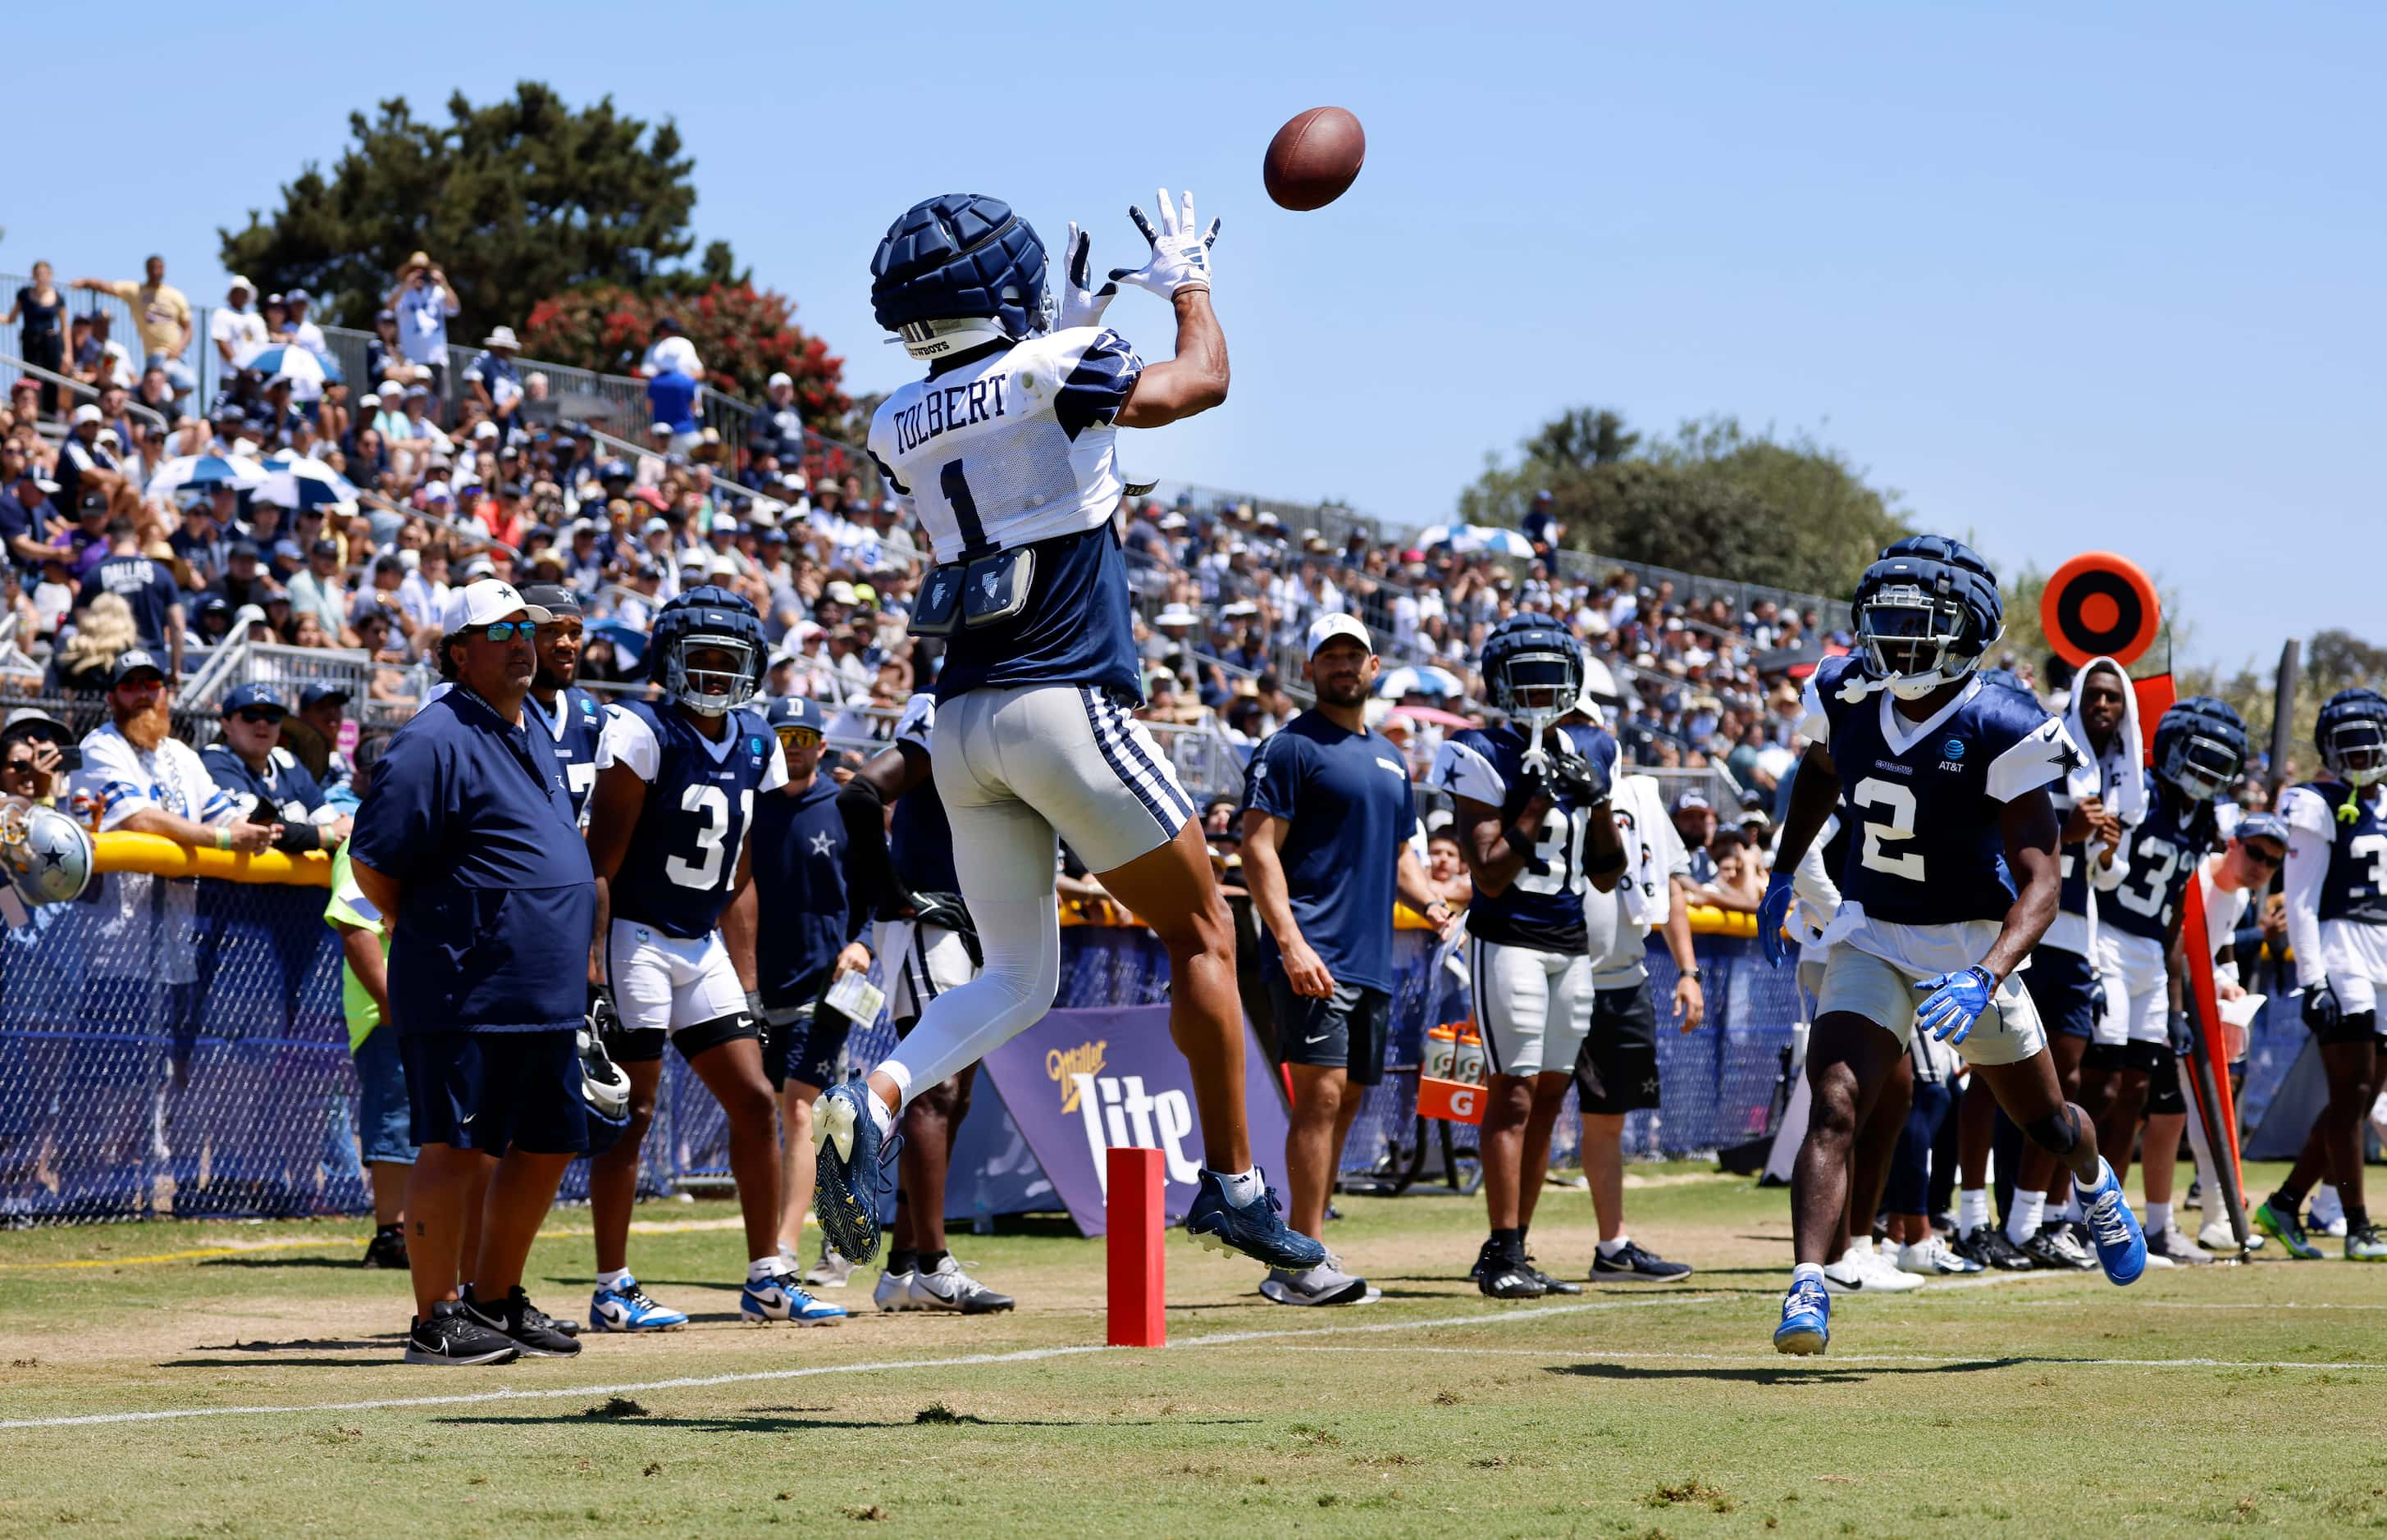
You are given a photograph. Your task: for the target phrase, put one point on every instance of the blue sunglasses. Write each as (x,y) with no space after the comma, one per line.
(506,630)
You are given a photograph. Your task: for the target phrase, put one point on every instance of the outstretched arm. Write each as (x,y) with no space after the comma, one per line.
(1195,381)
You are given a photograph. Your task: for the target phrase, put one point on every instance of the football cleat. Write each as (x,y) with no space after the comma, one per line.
(2052,1248)
(1326,1284)
(1806,1319)
(1862,1271)
(2287,1230)
(852,1168)
(1549,1286)
(388,1248)
(2121,1244)
(627,1308)
(1987,1245)
(947,1287)
(2216,1235)
(1933,1257)
(451,1336)
(832,1272)
(1632,1261)
(525,1325)
(782,1298)
(2172,1249)
(894,1290)
(1257,1229)
(2365,1243)
(1507,1278)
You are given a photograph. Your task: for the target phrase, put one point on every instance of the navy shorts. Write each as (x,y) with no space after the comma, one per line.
(1346,1030)
(495,1090)
(804,1043)
(2064,986)
(1616,1072)
(383,1116)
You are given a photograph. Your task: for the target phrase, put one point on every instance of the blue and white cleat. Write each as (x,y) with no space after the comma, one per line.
(2121,1244)
(1806,1319)
(783,1299)
(1257,1229)
(627,1308)
(852,1170)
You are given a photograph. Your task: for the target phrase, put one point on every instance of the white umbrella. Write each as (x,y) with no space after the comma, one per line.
(204,470)
(1437,535)
(304,367)
(294,480)
(1498,542)
(1426,679)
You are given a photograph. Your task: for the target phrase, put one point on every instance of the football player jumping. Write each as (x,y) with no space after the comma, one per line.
(1952,878)
(1007,450)
(667,831)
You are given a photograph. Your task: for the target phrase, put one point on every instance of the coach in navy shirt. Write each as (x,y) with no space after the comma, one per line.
(1327,819)
(468,840)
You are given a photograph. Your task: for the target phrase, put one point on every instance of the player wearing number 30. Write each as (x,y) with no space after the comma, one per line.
(1951,879)
(667,835)
(1007,450)
(1535,829)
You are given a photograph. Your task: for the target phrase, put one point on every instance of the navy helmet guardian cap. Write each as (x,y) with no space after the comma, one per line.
(709,616)
(2352,735)
(1532,667)
(2200,746)
(1926,613)
(956,270)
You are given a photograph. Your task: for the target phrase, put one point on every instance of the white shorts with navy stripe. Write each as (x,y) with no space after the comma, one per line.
(667,982)
(1073,756)
(920,962)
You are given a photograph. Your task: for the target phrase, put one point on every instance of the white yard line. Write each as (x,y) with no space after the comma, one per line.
(1984,1358)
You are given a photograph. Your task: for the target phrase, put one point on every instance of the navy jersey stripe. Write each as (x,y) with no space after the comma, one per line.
(1110,757)
(1095,390)
(1121,723)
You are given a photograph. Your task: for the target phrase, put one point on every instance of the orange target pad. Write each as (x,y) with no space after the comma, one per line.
(2098,604)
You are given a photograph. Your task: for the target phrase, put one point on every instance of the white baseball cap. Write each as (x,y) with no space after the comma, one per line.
(782,378)
(1325,629)
(490,599)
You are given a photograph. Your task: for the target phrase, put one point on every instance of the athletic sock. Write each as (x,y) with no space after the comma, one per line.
(881,1118)
(1508,1242)
(2284,1201)
(1611,1249)
(2068,1211)
(1806,1272)
(2357,1215)
(2158,1219)
(2022,1223)
(1971,1209)
(612,1279)
(901,1262)
(2090,1195)
(929,1261)
(1242,1187)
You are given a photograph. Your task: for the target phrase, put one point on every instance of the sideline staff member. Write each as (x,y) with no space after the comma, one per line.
(467,839)
(1326,829)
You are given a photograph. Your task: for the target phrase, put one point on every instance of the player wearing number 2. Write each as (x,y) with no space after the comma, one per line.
(667,831)
(1535,825)
(2337,928)
(1007,450)
(1951,879)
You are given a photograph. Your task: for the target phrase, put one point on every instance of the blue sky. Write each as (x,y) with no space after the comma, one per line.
(2063,279)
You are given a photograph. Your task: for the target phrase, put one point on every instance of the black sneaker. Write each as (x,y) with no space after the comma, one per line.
(453,1335)
(388,1248)
(1987,1245)
(2055,1249)
(1630,1261)
(1551,1286)
(525,1324)
(1505,1277)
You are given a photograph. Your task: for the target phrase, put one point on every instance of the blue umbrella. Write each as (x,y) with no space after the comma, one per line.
(629,643)
(308,368)
(204,470)
(294,480)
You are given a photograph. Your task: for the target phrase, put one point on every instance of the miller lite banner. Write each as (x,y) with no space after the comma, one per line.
(1080,1082)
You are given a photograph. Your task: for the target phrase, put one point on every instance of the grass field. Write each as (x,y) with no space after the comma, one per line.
(2235,1395)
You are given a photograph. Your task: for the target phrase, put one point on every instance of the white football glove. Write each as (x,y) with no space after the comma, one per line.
(1180,251)
(1082,305)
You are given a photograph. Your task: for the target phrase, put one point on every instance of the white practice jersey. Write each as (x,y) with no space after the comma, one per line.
(1016,447)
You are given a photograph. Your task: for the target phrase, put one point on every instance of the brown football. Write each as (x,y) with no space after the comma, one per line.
(1313,159)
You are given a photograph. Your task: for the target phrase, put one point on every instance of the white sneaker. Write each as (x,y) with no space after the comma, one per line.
(1891,1279)
(894,1290)
(832,1272)
(947,1287)
(1861,1270)
(1323,1284)
(2215,1236)
(1932,1257)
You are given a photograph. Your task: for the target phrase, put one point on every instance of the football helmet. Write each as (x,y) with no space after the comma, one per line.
(1925,612)
(709,616)
(604,1093)
(2200,746)
(957,270)
(1533,668)
(2352,735)
(45,854)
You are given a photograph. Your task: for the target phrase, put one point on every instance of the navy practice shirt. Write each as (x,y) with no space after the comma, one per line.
(144,585)
(1346,800)
(284,790)
(471,814)
(1079,627)
(681,868)
(2351,890)
(577,729)
(1542,906)
(2162,851)
(807,911)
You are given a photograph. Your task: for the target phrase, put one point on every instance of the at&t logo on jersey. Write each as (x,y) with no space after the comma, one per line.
(1951,754)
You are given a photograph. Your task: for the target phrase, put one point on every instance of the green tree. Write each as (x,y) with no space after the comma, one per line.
(742,337)
(516,200)
(1711,498)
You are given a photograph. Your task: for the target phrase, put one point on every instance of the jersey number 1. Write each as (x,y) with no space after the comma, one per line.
(711,847)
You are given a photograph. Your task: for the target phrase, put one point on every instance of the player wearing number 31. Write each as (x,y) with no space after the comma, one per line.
(1953,879)
(1007,450)
(668,829)
(1535,825)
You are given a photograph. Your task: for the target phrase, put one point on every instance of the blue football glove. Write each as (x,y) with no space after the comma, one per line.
(1956,1001)
(1772,913)
(2323,1011)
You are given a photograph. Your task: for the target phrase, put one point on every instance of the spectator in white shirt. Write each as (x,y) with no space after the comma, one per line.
(303,332)
(235,328)
(670,350)
(423,304)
